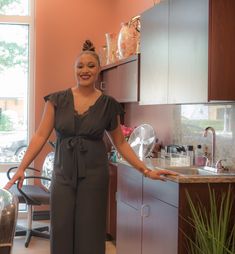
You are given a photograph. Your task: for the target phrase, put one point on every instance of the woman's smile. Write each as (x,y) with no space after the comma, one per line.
(87,69)
(85,76)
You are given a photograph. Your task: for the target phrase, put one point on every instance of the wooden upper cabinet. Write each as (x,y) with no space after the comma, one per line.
(121,80)
(187,52)
(222,50)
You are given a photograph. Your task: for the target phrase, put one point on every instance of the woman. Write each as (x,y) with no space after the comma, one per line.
(80,115)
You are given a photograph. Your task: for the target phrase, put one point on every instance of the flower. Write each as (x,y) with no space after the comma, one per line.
(126,131)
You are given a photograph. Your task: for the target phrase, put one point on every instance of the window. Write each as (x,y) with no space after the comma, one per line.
(15,7)
(16,80)
(196,117)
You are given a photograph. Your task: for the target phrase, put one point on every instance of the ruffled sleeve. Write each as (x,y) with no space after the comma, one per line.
(115,109)
(57,98)
(53,98)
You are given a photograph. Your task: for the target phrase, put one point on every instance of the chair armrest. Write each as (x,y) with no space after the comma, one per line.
(12,168)
(25,196)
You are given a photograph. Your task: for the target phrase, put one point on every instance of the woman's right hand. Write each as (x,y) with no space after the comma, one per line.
(18,176)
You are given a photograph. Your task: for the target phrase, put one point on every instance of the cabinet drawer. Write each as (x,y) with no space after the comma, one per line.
(129,186)
(165,191)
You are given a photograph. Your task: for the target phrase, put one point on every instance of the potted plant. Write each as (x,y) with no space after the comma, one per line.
(213,228)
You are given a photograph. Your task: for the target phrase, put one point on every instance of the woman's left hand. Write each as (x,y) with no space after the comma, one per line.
(159,174)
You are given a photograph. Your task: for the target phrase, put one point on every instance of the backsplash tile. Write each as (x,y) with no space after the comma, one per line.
(185,124)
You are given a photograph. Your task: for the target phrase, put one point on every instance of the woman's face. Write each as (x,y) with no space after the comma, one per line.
(87,70)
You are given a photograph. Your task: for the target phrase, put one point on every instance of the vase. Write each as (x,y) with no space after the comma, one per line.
(103,55)
(129,38)
(111,44)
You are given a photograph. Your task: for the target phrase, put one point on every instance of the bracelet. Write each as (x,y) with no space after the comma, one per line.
(145,172)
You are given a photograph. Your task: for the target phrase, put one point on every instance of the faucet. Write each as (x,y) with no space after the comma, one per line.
(220,167)
(212,143)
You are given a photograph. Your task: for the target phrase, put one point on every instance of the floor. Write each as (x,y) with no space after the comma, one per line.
(42,246)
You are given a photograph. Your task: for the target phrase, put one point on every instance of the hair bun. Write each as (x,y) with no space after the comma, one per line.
(88,46)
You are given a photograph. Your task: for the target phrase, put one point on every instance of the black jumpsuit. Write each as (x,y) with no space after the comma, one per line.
(80,177)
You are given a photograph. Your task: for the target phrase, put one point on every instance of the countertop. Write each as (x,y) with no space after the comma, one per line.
(154,164)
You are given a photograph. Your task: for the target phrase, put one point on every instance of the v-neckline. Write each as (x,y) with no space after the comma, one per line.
(89,108)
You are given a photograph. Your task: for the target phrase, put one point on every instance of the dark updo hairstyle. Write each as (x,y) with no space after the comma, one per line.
(89,48)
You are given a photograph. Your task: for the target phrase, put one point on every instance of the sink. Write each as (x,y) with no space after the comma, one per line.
(191,171)
(202,171)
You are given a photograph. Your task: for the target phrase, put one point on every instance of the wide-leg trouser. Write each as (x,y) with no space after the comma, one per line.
(78,215)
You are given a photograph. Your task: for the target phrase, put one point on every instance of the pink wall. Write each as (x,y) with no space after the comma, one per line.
(61,28)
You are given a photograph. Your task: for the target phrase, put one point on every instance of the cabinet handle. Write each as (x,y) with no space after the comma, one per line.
(145,210)
(117,196)
(102,86)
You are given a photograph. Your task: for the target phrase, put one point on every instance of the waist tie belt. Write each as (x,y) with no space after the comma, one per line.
(78,144)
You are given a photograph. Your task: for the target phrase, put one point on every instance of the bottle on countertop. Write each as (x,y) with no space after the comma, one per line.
(190,153)
(200,159)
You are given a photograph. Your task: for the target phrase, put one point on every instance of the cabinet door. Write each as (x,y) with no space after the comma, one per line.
(128,229)
(160,227)
(129,201)
(167,192)
(188,51)
(129,186)
(154,55)
(222,50)
(109,82)
(128,81)
(122,80)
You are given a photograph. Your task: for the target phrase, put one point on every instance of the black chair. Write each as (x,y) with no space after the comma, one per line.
(34,195)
